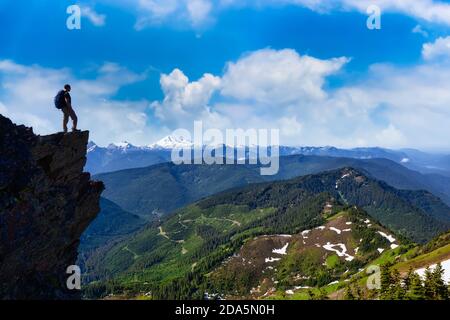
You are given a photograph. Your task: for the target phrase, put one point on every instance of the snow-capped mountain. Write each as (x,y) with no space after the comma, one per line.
(123,146)
(124,155)
(171,142)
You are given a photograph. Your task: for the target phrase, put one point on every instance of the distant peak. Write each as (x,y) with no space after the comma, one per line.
(91,146)
(124,145)
(171,142)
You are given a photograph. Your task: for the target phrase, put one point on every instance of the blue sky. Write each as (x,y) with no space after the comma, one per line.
(143,68)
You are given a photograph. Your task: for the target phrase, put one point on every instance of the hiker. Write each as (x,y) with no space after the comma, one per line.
(63,101)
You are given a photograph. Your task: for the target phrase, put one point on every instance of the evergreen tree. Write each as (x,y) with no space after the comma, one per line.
(429,287)
(440,289)
(407,279)
(397,291)
(416,289)
(386,282)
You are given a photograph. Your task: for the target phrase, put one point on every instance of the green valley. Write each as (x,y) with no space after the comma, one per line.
(296,235)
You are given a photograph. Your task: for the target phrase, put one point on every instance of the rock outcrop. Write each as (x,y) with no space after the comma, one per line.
(46,202)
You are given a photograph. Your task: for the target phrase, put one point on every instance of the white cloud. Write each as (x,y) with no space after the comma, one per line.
(391,106)
(151,12)
(390,137)
(184,99)
(271,76)
(197,13)
(438,49)
(95,18)
(290,127)
(428,10)
(28,92)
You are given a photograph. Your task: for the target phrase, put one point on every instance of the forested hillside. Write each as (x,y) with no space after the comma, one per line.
(171,259)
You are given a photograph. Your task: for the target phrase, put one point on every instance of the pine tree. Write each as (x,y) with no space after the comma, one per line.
(416,290)
(386,282)
(439,287)
(429,287)
(397,290)
(407,279)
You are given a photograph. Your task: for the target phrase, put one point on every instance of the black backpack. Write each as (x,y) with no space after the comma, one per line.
(60,101)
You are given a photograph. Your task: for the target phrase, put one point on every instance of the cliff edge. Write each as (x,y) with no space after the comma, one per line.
(46,202)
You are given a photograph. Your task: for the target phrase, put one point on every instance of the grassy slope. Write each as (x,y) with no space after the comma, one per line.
(402,259)
(202,235)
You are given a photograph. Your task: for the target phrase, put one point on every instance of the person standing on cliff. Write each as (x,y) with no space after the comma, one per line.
(63,101)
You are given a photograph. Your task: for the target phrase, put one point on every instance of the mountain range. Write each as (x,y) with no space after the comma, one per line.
(267,237)
(155,191)
(186,231)
(124,155)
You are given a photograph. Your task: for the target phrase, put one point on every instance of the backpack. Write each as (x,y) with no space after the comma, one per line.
(60,101)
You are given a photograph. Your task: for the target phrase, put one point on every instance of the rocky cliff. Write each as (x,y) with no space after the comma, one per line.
(46,202)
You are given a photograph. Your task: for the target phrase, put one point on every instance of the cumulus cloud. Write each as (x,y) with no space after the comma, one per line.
(27,92)
(184,99)
(283,76)
(392,106)
(440,48)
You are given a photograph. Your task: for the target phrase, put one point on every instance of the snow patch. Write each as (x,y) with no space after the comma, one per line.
(445,265)
(272,259)
(335,230)
(389,237)
(289,292)
(340,253)
(405,160)
(282,250)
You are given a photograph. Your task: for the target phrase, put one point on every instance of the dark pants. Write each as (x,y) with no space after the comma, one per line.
(69,112)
